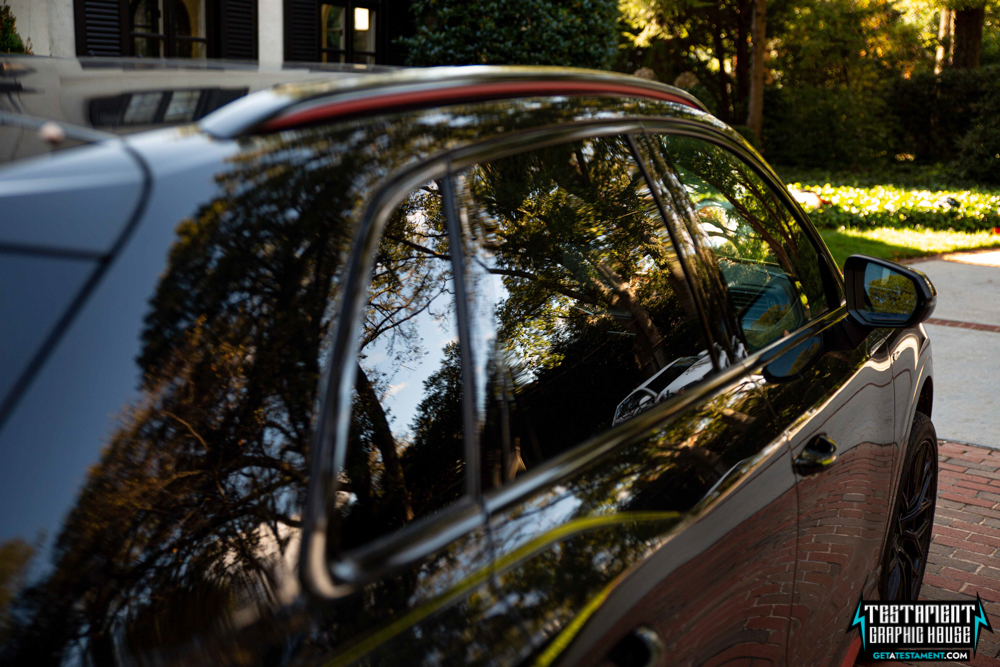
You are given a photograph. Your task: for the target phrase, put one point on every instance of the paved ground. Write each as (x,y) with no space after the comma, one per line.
(965,334)
(965,552)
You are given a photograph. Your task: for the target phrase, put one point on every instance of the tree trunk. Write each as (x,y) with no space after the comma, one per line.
(755,116)
(395,484)
(725,111)
(946,30)
(968,37)
(742,67)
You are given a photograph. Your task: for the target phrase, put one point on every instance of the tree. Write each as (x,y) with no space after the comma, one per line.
(755,116)
(16,556)
(968,34)
(579,33)
(10,41)
(709,38)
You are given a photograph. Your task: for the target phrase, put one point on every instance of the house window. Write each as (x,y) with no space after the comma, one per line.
(168,28)
(347,33)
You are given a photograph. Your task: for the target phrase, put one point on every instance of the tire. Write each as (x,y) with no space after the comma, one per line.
(904,558)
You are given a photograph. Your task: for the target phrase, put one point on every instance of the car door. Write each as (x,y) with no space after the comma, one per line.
(833,399)
(614,521)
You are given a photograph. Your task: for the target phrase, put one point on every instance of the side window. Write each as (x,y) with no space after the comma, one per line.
(768,264)
(581,315)
(405,457)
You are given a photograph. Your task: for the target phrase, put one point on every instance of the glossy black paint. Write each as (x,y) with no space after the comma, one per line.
(175,457)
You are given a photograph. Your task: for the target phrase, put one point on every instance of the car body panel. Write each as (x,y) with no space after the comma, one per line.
(82,201)
(847,396)
(706,599)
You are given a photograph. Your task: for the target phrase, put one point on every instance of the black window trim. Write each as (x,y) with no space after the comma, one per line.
(333,575)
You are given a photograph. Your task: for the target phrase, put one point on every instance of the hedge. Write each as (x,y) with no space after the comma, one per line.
(888,206)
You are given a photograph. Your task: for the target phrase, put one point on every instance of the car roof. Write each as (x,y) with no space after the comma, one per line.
(89,97)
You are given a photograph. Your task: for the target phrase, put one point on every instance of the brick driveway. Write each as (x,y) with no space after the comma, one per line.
(965,552)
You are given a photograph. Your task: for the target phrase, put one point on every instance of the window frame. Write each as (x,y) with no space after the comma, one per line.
(329,574)
(169,39)
(349,52)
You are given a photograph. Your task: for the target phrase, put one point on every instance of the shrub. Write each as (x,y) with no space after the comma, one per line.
(979,149)
(830,127)
(576,33)
(888,206)
(10,41)
(936,110)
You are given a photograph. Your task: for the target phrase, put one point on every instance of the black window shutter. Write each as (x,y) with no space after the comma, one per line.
(100,27)
(239,29)
(301,30)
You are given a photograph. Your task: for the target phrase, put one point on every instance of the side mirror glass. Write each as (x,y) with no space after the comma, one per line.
(885,294)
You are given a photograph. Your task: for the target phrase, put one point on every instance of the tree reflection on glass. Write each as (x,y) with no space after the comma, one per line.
(189,524)
(888,293)
(405,454)
(580,303)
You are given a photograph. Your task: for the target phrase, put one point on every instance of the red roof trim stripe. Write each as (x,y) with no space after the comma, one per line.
(465,93)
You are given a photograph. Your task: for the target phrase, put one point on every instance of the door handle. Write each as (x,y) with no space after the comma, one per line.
(818,455)
(640,648)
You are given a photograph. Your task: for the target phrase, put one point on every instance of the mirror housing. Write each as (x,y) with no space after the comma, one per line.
(881,293)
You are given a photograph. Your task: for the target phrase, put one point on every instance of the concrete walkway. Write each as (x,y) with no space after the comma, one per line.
(965,335)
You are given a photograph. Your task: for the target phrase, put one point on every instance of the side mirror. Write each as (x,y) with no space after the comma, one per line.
(885,294)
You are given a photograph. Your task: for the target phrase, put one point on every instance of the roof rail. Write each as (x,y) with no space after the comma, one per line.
(291,105)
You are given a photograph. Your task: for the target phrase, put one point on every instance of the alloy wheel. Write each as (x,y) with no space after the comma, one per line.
(909,543)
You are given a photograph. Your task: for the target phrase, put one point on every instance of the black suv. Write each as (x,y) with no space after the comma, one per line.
(347,371)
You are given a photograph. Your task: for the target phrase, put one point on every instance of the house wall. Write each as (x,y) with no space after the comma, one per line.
(270,32)
(48,24)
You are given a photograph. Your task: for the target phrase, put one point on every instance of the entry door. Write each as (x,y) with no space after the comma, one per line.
(781,304)
(844,506)
(637,490)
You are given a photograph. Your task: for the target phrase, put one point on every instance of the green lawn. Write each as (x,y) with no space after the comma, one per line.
(896,244)
(899,212)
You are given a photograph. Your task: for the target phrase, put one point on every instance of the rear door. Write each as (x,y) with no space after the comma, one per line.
(825,393)
(618,515)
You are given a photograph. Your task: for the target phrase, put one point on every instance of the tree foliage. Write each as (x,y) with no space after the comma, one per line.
(578,33)
(10,41)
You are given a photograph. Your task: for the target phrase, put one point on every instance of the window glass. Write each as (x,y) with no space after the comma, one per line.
(190,28)
(182,106)
(405,457)
(582,318)
(176,28)
(768,265)
(142,108)
(147,17)
(332,31)
(364,35)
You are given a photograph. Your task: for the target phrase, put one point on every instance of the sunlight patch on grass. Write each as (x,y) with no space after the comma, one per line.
(895,244)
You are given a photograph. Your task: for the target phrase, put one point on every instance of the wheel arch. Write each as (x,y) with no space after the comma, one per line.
(925,399)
